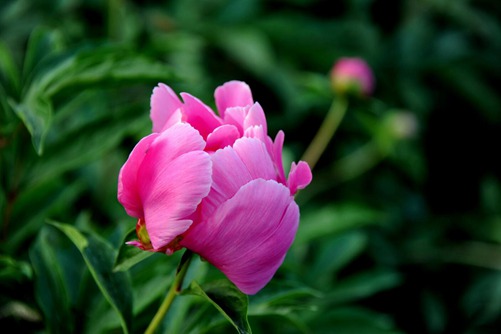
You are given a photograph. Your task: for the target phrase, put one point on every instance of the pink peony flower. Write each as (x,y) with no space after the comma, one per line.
(214,184)
(352,75)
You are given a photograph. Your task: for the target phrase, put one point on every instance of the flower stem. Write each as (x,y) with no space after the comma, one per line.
(326,131)
(173,292)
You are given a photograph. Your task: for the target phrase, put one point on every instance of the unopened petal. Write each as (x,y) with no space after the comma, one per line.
(223,136)
(277,148)
(232,94)
(255,116)
(256,158)
(199,115)
(299,176)
(257,132)
(236,117)
(164,103)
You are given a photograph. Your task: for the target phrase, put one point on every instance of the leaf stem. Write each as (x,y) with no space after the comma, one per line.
(329,126)
(173,292)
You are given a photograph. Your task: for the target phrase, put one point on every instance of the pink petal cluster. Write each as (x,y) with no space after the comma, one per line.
(352,74)
(215,184)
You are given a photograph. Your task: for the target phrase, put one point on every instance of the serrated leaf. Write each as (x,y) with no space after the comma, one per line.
(129,255)
(227,299)
(99,257)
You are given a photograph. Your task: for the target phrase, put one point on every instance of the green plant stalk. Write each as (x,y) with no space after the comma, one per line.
(173,292)
(329,126)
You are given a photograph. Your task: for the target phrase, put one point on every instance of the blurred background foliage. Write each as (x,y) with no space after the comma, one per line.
(400,230)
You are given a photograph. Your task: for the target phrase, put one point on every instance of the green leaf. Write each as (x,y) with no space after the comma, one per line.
(12,269)
(471,86)
(59,72)
(283,301)
(81,146)
(100,66)
(482,300)
(44,200)
(9,73)
(99,257)
(249,47)
(42,43)
(51,291)
(332,220)
(129,255)
(227,299)
(349,320)
(36,114)
(334,254)
(362,285)
(176,320)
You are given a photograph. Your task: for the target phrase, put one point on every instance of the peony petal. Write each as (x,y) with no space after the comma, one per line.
(136,243)
(176,117)
(236,116)
(164,104)
(248,236)
(228,174)
(299,176)
(256,132)
(232,94)
(173,179)
(256,158)
(199,115)
(255,116)
(128,193)
(278,145)
(233,167)
(223,136)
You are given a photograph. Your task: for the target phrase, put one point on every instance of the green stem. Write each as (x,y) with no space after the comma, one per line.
(173,292)
(327,129)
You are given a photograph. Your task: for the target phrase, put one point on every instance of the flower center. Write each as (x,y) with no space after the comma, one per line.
(144,238)
(142,234)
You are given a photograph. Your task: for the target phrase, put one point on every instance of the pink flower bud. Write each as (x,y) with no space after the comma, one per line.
(214,184)
(352,76)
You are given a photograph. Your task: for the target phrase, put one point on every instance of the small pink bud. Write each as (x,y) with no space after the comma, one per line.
(352,76)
